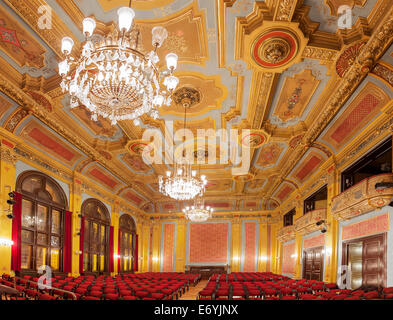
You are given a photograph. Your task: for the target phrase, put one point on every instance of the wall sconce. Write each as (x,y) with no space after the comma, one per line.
(116,256)
(263,258)
(78,252)
(236,258)
(294,256)
(155,259)
(6,242)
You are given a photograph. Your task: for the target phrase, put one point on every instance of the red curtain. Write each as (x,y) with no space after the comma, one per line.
(81,244)
(136,254)
(118,252)
(67,242)
(16,249)
(111,251)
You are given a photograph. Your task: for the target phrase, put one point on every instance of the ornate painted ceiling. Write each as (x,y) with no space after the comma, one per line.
(281,68)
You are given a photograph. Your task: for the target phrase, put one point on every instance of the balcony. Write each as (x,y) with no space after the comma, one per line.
(286,233)
(307,223)
(362,197)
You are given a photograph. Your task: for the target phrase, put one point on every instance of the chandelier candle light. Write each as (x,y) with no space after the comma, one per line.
(198,212)
(112,77)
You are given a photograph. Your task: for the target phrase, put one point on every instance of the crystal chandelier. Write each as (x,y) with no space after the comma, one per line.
(198,212)
(112,77)
(183,184)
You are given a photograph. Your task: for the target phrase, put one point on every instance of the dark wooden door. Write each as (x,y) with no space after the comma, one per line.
(374,261)
(313,264)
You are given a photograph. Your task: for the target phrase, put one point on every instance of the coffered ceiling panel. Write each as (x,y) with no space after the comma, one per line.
(282,69)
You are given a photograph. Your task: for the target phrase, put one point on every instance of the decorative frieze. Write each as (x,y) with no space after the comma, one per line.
(286,233)
(363,197)
(308,222)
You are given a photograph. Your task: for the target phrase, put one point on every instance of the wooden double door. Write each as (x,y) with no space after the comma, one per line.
(313,263)
(366,258)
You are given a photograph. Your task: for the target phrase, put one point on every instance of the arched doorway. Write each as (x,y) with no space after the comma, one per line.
(42,221)
(127,232)
(96,236)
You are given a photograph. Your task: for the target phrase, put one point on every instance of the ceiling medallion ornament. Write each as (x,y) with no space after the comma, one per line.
(254,140)
(198,212)
(274,48)
(244,178)
(271,46)
(113,78)
(187,97)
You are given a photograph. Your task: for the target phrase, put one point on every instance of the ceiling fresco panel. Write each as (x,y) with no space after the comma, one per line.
(308,166)
(18,43)
(186,35)
(295,95)
(101,176)
(39,136)
(364,107)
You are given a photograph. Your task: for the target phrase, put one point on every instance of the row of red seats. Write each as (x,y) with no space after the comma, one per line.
(267,286)
(121,287)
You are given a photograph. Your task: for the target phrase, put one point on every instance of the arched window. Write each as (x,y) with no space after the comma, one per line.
(96,236)
(127,231)
(42,231)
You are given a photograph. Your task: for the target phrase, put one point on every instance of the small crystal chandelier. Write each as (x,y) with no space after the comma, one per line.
(198,212)
(113,78)
(183,184)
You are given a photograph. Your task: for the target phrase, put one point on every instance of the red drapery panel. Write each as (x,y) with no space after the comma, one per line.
(111,251)
(16,249)
(67,242)
(136,254)
(118,252)
(81,244)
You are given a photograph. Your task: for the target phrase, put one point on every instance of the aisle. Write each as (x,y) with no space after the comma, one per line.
(193,292)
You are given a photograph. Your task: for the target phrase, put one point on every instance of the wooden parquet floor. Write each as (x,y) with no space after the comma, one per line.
(193,292)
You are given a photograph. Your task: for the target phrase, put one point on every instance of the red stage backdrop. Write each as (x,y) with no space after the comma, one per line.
(208,243)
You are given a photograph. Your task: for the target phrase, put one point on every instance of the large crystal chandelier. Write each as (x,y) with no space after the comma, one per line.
(198,212)
(112,77)
(183,183)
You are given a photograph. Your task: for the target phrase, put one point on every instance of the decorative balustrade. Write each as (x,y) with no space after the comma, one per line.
(308,222)
(286,233)
(362,197)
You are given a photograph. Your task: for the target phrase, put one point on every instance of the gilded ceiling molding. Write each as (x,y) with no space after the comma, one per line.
(8,155)
(261,95)
(327,56)
(15,119)
(246,25)
(221,6)
(384,72)
(285,10)
(372,51)
(235,111)
(29,11)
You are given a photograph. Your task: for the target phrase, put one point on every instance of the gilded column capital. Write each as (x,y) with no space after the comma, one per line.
(8,155)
